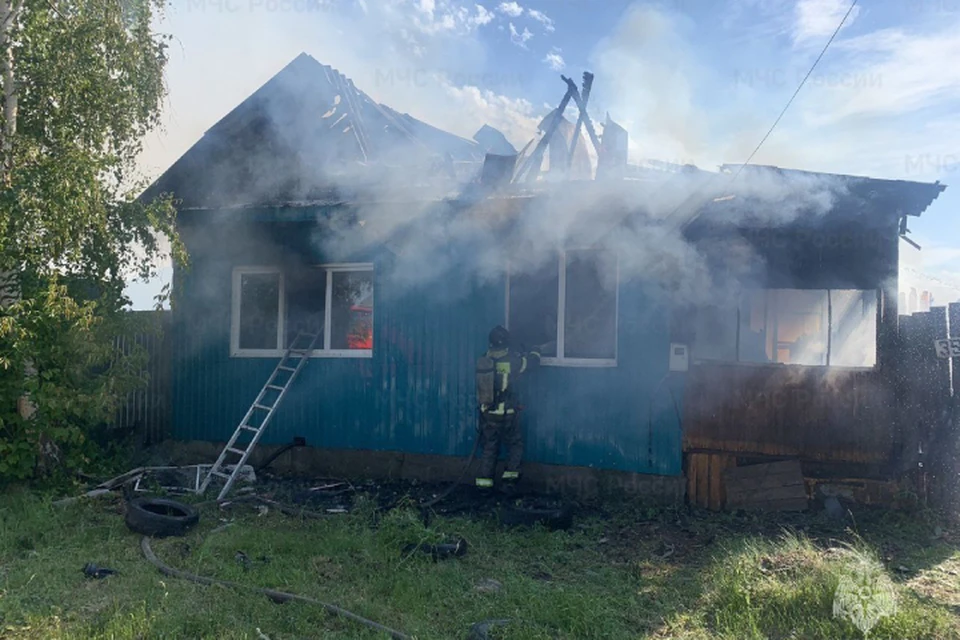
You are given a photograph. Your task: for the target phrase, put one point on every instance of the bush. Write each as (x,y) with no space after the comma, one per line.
(62,355)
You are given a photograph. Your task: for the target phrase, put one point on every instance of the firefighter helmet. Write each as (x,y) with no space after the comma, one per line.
(499,337)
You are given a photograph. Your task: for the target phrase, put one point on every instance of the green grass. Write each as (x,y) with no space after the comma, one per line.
(640,574)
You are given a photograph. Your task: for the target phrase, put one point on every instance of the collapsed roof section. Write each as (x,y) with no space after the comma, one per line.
(309,136)
(309,132)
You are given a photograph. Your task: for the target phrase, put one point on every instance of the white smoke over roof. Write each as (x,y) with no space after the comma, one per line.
(652,95)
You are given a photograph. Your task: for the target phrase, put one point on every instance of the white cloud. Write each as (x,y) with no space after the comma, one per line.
(482,16)
(514,117)
(760,19)
(833,126)
(890,72)
(433,17)
(816,20)
(554,60)
(541,18)
(520,39)
(397,52)
(511,9)
(875,106)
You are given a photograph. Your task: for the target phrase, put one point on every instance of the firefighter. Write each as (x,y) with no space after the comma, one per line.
(497,370)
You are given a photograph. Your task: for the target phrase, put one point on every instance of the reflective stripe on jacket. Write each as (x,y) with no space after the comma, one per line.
(507,364)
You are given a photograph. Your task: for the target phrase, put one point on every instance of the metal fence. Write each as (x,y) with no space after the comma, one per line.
(147,410)
(929,386)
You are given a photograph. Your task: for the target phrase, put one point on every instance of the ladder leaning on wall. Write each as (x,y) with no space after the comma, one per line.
(276,387)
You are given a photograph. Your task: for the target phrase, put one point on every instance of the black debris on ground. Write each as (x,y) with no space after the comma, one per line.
(332,496)
(481,630)
(441,551)
(91,570)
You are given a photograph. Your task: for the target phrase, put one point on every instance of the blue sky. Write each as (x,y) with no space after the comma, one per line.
(696,81)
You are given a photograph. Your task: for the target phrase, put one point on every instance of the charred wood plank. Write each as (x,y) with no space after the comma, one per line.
(587,85)
(575,93)
(776,486)
(532,164)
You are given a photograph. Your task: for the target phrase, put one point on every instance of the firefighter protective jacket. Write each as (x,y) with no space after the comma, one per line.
(509,366)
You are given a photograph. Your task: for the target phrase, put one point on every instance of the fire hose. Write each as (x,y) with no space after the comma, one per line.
(453,485)
(277,596)
(472,457)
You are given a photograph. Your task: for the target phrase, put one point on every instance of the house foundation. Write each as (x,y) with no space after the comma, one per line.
(582,484)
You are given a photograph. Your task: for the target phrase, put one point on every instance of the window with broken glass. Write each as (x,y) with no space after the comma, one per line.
(819,327)
(333,301)
(568,306)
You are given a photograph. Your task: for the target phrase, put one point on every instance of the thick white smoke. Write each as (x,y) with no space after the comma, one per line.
(404,202)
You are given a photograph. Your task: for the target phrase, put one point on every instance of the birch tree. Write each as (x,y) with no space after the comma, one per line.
(82,84)
(9,11)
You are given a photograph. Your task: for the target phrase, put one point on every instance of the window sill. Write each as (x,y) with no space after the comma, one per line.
(586,363)
(770,365)
(345,353)
(342,353)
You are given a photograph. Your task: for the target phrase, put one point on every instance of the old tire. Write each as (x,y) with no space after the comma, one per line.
(159,517)
(556,516)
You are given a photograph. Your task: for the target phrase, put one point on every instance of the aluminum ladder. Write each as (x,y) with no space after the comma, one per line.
(275,387)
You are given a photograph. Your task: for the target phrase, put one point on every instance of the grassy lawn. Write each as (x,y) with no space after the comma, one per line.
(626,572)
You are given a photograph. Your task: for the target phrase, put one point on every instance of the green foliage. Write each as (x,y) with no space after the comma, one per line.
(79,377)
(89,82)
(763,588)
(598,581)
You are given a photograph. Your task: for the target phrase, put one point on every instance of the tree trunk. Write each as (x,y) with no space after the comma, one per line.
(9,280)
(9,11)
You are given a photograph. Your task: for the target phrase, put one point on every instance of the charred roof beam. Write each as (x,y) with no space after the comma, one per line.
(587,85)
(532,164)
(582,106)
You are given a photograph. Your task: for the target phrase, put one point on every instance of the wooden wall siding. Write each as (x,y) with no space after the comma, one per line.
(894,421)
(810,412)
(705,486)
(777,486)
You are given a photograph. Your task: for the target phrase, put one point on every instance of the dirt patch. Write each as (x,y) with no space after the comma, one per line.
(654,541)
(940,583)
(325,568)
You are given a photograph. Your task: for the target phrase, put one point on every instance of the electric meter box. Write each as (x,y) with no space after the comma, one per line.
(679,357)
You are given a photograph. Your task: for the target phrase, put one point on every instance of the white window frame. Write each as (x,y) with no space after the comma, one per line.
(235,350)
(324,352)
(828,365)
(560,360)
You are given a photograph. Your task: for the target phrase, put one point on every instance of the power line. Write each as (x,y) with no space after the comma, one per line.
(715,177)
(802,82)
(931,278)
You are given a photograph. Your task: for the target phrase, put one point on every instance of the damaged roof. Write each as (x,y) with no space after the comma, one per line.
(310,137)
(306,133)
(902,197)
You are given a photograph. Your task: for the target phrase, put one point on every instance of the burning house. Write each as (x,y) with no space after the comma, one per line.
(698,323)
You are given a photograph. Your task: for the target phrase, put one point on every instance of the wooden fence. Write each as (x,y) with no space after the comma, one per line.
(928,390)
(146,412)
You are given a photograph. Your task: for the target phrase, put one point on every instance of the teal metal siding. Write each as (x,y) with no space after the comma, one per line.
(416,394)
(613,417)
